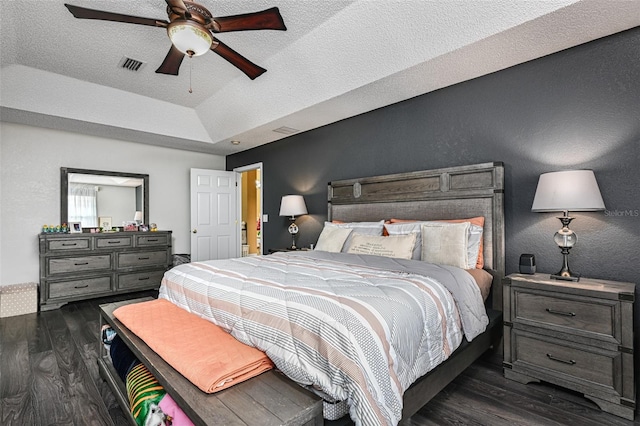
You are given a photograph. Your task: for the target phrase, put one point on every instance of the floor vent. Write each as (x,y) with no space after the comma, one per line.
(286,130)
(131,64)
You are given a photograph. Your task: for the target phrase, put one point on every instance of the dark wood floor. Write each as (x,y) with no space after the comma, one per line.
(49,376)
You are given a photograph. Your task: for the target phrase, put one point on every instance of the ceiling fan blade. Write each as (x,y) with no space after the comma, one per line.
(172,62)
(84,13)
(179,7)
(269,19)
(243,64)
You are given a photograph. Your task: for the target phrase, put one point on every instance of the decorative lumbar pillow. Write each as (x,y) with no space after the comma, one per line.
(332,239)
(398,246)
(406,228)
(445,243)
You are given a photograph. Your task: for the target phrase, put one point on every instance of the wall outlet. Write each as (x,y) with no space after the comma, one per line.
(265,218)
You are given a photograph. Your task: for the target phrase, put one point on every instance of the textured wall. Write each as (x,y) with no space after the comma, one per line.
(31,158)
(579,108)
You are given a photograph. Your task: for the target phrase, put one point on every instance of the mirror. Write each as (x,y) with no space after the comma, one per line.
(86,195)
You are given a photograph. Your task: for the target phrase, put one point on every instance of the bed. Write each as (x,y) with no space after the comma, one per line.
(450,193)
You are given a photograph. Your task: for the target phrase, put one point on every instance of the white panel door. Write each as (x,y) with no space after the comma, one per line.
(214,223)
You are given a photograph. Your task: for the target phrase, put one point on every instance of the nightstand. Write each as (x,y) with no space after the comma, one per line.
(578,335)
(276,250)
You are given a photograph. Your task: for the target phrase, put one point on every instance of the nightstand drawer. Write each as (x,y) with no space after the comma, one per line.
(574,313)
(580,363)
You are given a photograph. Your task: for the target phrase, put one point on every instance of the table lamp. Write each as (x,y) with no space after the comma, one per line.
(292,206)
(570,190)
(137,217)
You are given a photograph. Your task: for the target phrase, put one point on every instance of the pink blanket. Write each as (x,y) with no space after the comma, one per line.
(202,352)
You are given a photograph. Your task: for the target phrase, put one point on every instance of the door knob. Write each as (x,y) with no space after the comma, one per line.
(195,231)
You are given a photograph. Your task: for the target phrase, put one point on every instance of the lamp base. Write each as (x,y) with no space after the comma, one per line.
(293,230)
(565,238)
(574,277)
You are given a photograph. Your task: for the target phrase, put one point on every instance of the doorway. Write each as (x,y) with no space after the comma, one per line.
(250,208)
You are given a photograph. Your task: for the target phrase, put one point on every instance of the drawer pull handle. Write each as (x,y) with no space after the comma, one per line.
(113,242)
(143,258)
(152,240)
(82,286)
(69,244)
(566,314)
(143,278)
(564,361)
(81,263)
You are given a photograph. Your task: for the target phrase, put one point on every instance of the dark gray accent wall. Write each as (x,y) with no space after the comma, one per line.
(579,108)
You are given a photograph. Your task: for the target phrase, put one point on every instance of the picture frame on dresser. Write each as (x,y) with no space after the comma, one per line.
(130,226)
(75,228)
(105,223)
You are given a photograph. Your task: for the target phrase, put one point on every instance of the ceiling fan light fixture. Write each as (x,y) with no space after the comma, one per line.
(189,37)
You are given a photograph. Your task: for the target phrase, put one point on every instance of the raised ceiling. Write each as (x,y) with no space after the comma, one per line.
(337,59)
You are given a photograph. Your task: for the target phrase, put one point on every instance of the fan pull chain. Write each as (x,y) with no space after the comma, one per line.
(190,71)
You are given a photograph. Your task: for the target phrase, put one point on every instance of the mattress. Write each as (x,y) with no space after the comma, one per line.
(356,328)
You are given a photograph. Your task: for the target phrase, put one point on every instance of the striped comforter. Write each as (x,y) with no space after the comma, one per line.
(359,328)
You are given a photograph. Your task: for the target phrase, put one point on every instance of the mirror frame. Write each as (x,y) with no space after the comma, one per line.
(64,189)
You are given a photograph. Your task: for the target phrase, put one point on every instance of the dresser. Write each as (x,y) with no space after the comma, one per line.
(82,266)
(578,335)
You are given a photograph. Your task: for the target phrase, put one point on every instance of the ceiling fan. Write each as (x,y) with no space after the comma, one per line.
(190,29)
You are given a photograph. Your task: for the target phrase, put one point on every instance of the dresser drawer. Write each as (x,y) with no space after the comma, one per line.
(66,244)
(574,313)
(578,363)
(79,287)
(78,264)
(143,258)
(152,239)
(111,242)
(140,279)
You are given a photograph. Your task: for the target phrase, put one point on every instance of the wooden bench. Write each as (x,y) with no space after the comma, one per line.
(268,399)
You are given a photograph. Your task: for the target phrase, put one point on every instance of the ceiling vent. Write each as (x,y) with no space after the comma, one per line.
(131,64)
(286,130)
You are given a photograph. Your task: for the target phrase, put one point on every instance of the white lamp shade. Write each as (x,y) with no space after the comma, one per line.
(292,205)
(571,190)
(189,38)
(138,216)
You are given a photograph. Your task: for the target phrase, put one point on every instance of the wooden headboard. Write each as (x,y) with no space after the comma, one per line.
(448,193)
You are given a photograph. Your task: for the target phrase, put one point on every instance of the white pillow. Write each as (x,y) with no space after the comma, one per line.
(445,243)
(332,239)
(399,246)
(474,236)
(366,228)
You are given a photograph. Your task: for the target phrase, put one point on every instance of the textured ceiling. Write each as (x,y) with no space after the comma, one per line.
(337,59)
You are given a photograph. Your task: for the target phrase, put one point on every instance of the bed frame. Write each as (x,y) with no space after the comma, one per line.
(448,193)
